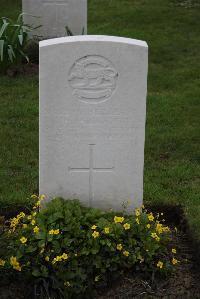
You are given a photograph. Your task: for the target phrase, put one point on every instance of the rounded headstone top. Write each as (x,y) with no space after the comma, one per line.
(92,38)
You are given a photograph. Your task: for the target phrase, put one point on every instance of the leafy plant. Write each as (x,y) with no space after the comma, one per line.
(70,33)
(13,40)
(69,250)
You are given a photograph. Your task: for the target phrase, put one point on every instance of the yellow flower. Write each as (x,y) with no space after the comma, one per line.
(119,247)
(37,205)
(29,217)
(54,232)
(15,263)
(148,225)
(173,250)
(126,226)
(25,225)
(159,228)
(106,230)
(137,220)
(14,222)
(34,196)
(65,256)
(94,227)
(42,250)
(155,236)
(118,219)
(2,262)
(33,222)
(47,258)
(23,240)
(174,261)
(160,265)
(95,234)
(142,207)
(150,217)
(137,212)
(60,258)
(21,215)
(36,229)
(125,253)
(13,260)
(34,214)
(57,259)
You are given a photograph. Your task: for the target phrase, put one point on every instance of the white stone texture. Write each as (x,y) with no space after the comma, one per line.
(92,119)
(54,15)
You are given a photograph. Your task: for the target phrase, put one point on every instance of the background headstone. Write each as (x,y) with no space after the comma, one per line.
(92,119)
(55,15)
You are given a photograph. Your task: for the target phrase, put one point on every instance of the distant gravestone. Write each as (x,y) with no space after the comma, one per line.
(92,119)
(54,16)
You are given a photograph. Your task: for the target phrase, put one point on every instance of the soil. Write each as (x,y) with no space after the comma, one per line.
(28,69)
(183,283)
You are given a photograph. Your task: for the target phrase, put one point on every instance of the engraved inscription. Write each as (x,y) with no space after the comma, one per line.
(91,170)
(93,79)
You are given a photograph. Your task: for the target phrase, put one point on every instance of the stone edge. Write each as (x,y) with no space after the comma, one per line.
(92,38)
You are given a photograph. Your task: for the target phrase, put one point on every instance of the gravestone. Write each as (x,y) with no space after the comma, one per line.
(54,16)
(92,119)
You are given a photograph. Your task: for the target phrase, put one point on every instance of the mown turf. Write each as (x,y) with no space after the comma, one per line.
(172,31)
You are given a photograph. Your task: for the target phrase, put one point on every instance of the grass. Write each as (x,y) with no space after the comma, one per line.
(172,169)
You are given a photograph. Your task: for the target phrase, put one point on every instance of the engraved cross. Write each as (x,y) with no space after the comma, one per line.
(91,170)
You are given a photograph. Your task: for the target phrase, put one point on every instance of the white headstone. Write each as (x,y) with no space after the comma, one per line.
(92,119)
(55,15)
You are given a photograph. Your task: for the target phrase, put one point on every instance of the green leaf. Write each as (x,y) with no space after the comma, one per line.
(41,243)
(20,37)
(36,273)
(44,271)
(1,49)
(3,28)
(94,251)
(11,53)
(31,249)
(40,236)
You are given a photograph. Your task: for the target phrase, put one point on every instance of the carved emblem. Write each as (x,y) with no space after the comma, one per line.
(93,79)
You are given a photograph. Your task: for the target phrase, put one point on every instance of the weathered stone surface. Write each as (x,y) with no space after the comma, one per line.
(92,119)
(55,15)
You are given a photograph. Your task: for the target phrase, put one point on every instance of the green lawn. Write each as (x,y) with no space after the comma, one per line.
(171,155)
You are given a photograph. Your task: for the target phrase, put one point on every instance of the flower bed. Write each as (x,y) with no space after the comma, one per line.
(68,250)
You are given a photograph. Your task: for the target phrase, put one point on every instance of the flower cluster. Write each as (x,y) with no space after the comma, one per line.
(16,220)
(60,258)
(72,243)
(54,232)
